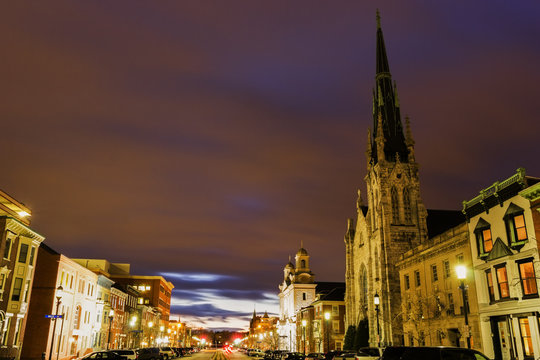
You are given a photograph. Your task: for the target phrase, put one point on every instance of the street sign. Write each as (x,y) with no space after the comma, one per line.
(53,316)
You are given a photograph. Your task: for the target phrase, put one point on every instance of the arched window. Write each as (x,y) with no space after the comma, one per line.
(363,288)
(77,318)
(395,206)
(407,206)
(303,264)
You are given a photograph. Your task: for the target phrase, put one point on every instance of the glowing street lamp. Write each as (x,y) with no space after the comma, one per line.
(377,301)
(327,317)
(461,272)
(111,317)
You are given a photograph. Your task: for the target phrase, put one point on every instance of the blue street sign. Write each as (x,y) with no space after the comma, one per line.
(53,316)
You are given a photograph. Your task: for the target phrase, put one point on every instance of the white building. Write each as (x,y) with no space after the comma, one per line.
(503,226)
(296,291)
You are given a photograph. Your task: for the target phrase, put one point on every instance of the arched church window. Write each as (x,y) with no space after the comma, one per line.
(303,264)
(407,206)
(395,206)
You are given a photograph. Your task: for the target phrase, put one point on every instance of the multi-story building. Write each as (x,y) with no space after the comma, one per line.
(321,326)
(296,291)
(504,227)
(18,245)
(431,295)
(263,332)
(150,328)
(103,309)
(61,287)
(117,331)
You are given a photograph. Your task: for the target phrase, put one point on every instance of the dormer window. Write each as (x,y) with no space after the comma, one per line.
(484,241)
(515,226)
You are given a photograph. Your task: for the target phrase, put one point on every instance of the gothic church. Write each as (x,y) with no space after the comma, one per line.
(394,219)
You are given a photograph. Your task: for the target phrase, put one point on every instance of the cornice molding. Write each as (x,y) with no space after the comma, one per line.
(15,226)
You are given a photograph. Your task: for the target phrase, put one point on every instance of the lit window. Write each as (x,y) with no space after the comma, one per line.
(140,301)
(527,277)
(515,226)
(147,288)
(502,281)
(526,337)
(17,286)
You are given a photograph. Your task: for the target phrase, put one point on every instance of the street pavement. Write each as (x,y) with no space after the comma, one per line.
(218,355)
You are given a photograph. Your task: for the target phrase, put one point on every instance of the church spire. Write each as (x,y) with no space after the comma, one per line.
(388,107)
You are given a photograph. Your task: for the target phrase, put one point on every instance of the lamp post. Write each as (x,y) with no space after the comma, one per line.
(461,272)
(58,302)
(111,317)
(327,317)
(377,301)
(304,334)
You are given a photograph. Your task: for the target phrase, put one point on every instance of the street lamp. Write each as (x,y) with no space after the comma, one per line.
(377,301)
(327,317)
(304,333)
(111,317)
(58,302)
(461,272)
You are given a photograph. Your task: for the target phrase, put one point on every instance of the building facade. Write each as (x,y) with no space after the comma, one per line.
(504,227)
(61,287)
(18,244)
(296,291)
(432,299)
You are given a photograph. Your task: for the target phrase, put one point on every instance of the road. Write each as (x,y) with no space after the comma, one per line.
(217,355)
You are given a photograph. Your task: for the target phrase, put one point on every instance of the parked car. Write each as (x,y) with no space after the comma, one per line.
(103,355)
(128,354)
(315,356)
(346,356)
(431,353)
(167,352)
(149,354)
(255,353)
(330,355)
(295,356)
(369,353)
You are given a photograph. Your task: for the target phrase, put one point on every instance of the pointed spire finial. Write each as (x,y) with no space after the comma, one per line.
(378,17)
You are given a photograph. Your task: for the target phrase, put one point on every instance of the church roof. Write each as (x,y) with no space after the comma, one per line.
(302,251)
(438,221)
(289,265)
(386,104)
(336,294)
(327,287)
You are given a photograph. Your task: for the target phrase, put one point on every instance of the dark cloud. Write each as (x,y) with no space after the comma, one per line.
(214,138)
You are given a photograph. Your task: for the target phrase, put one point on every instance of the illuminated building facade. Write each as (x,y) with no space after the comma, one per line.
(504,228)
(18,246)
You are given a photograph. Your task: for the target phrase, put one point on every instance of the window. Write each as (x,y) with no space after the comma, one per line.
(32,255)
(434,275)
(407,206)
(77,318)
(484,243)
(303,264)
(451,303)
(5,332)
(407,282)
(23,253)
(335,310)
(395,206)
(446,266)
(417,278)
(7,250)
(17,285)
(459,258)
(502,282)
(489,280)
(303,296)
(335,325)
(527,277)
(147,288)
(2,278)
(26,291)
(515,226)
(526,338)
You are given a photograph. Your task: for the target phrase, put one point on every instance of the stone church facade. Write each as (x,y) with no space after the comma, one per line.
(394,219)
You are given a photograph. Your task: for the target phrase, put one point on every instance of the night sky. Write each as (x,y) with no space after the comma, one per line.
(205,140)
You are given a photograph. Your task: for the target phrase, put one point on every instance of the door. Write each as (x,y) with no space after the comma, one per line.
(504,339)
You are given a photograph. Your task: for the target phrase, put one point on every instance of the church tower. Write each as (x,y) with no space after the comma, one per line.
(394,219)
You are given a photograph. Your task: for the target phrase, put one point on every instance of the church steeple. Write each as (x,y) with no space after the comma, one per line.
(386,105)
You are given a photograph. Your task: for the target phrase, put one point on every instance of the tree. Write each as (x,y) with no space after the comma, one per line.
(361,337)
(348,344)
